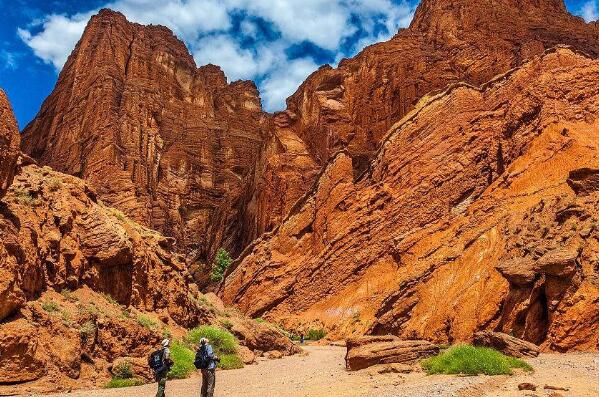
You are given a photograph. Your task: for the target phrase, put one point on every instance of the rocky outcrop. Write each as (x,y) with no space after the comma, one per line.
(9,143)
(367,351)
(58,235)
(471,180)
(83,285)
(506,344)
(174,147)
(353,106)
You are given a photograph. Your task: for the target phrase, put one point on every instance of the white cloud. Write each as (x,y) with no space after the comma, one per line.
(57,38)
(589,11)
(283,81)
(208,29)
(8,60)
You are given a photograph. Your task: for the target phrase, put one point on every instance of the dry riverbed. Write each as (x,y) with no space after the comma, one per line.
(321,373)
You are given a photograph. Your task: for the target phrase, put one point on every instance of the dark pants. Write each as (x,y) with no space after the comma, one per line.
(161,379)
(208,381)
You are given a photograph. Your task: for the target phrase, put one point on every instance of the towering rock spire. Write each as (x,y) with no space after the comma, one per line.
(9,143)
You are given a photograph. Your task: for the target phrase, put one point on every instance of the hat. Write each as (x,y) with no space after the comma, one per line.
(166,342)
(203,341)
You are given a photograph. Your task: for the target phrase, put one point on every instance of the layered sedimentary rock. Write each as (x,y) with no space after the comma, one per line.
(352,106)
(420,245)
(175,147)
(9,143)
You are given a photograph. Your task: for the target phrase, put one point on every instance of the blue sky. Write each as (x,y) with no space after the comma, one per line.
(277,43)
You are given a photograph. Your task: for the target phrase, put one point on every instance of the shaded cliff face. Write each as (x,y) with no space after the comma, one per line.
(171,145)
(472,180)
(82,285)
(9,143)
(448,41)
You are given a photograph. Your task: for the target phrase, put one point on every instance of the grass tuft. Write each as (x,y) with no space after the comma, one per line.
(470,360)
(117,383)
(316,334)
(230,361)
(147,322)
(50,306)
(183,358)
(123,370)
(222,340)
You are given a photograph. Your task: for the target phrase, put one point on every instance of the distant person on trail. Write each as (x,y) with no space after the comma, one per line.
(160,362)
(302,339)
(206,361)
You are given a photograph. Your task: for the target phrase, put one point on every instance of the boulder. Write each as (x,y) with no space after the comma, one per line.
(518,271)
(367,351)
(262,336)
(527,386)
(560,262)
(247,356)
(506,344)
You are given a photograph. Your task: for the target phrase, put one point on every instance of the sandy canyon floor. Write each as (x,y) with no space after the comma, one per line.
(322,373)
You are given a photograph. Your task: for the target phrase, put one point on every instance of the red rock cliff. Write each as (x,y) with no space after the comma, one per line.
(173,146)
(9,143)
(354,105)
(477,212)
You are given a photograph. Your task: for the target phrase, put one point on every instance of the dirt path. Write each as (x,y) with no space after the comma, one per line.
(322,373)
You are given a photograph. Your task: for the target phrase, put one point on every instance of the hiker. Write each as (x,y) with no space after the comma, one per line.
(302,339)
(206,361)
(160,362)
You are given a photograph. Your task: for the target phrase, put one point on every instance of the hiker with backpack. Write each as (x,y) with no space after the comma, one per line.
(160,362)
(206,360)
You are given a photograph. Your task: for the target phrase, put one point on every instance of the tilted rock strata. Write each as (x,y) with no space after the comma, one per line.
(352,106)
(173,146)
(9,143)
(472,178)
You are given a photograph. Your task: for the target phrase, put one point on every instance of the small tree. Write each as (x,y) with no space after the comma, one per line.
(221,262)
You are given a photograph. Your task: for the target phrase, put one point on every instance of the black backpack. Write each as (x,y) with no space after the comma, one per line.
(156,360)
(202,360)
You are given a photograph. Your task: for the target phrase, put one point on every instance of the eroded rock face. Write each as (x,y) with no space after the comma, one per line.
(470,180)
(9,143)
(174,147)
(354,105)
(56,234)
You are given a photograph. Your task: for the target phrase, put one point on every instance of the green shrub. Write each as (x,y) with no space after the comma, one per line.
(25,198)
(221,340)
(54,184)
(230,361)
(470,360)
(183,358)
(316,334)
(227,324)
(88,329)
(122,370)
(50,306)
(260,320)
(116,383)
(147,321)
(221,262)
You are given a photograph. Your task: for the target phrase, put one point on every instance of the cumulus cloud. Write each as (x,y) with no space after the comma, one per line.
(218,32)
(589,11)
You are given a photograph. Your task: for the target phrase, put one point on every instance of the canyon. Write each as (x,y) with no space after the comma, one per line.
(438,184)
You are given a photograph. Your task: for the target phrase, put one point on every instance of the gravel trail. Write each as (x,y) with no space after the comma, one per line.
(321,373)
